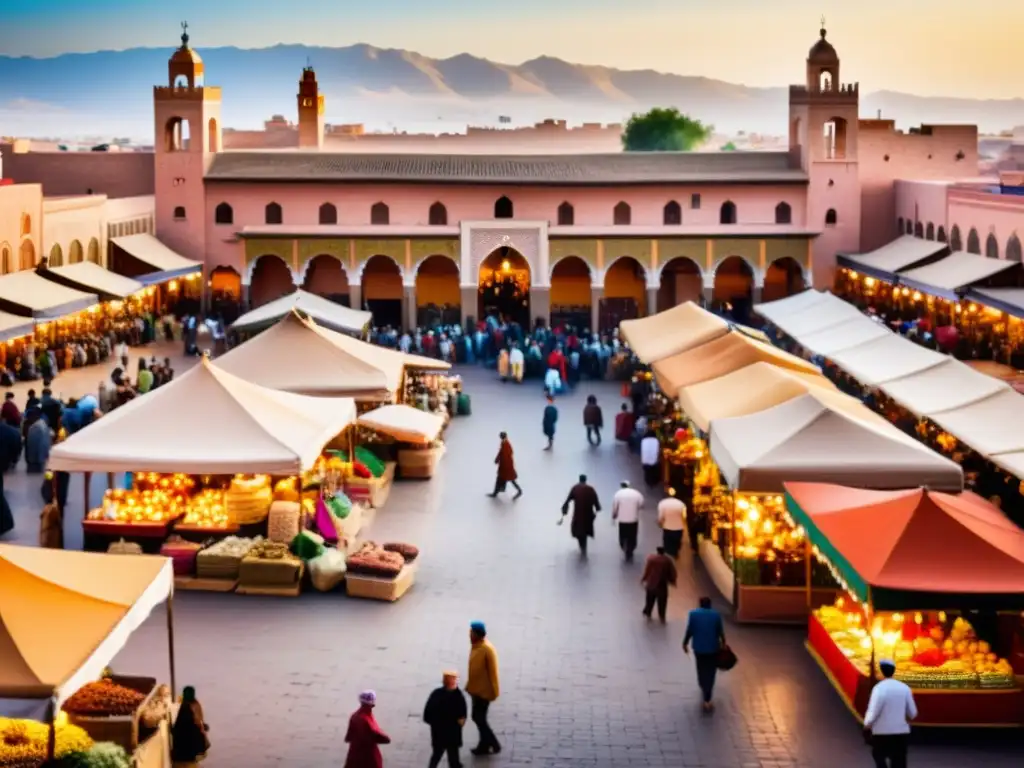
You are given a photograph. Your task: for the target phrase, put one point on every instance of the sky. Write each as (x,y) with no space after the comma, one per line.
(927,47)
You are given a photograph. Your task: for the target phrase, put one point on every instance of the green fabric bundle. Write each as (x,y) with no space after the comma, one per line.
(370,460)
(339,504)
(307,545)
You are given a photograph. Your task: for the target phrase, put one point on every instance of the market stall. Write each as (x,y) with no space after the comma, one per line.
(670,332)
(417,432)
(813,437)
(26,293)
(325,312)
(64,617)
(925,576)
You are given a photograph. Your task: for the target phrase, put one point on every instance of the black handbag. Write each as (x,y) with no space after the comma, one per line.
(725,659)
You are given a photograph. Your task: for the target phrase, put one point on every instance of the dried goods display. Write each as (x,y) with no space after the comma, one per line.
(930,650)
(207,510)
(182,553)
(139,507)
(373,560)
(177,484)
(23,743)
(248,499)
(103,698)
(408,552)
(270,564)
(221,560)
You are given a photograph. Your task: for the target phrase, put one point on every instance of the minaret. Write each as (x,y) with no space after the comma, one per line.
(311,111)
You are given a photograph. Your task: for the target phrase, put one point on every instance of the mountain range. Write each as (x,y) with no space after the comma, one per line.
(110,92)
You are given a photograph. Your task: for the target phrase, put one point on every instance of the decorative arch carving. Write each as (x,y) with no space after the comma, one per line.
(93,254)
(956,242)
(361,266)
(26,225)
(304,267)
(603,273)
(250,268)
(973,242)
(484,241)
(6,260)
(565,257)
(56,257)
(1013,249)
(991,246)
(27,255)
(75,254)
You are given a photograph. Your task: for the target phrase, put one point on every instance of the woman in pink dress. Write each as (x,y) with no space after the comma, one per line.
(364,736)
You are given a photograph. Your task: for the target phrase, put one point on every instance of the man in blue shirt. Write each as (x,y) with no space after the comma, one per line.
(705,629)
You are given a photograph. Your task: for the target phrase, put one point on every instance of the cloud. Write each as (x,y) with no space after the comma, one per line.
(23,105)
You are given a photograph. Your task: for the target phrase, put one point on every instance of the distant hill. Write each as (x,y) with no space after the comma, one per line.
(110,92)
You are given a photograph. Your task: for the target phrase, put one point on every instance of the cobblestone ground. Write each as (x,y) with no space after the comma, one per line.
(585,680)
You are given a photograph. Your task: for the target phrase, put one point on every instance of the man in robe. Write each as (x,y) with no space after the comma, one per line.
(506,469)
(364,736)
(585,506)
(445,713)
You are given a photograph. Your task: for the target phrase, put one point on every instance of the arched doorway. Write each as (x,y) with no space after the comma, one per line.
(681,281)
(382,291)
(438,296)
(56,258)
(783,278)
(625,293)
(271,279)
(734,288)
(225,286)
(75,252)
(326,277)
(94,251)
(504,287)
(27,255)
(570,293)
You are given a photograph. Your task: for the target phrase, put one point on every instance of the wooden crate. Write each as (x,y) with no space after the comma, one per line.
(419,463)
(120,729)
(195,584)
(377,588)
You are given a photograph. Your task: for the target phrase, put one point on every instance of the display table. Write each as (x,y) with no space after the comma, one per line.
(992,708)
(419,463)
(377,588)
(762,604)
(98,535)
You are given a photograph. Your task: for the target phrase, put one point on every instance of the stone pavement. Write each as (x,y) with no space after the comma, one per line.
(585,680)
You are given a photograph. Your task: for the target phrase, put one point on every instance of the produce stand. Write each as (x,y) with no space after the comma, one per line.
(93,603)
(934,610)
(417,432)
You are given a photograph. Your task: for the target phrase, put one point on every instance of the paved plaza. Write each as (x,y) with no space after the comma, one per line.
(586,681)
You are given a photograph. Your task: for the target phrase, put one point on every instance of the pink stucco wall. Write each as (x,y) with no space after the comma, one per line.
(409,206)
(988,213)
(921,201)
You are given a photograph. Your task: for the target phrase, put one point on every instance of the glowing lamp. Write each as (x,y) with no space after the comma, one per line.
(173,285)
(905,291)
(869,282)
(854,275)
(506,266)
(916,296)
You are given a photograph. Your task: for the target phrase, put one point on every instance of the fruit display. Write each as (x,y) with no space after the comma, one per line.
(207,510)
(23,743)
(248,499)
(929,650)
(373,560)
(103,698)
(140,507)
(408,552)
(178,484)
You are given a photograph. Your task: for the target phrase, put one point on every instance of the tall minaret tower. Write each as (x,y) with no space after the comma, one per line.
(188,134)
(823,133)
(311,111)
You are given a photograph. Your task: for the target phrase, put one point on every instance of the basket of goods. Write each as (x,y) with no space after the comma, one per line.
(109,709)
(327,571)
(408,552)
(223,559)
(270,567)
(182,553)
(284,522)
(373,560)
(23,743)
(248,499)
(122,547)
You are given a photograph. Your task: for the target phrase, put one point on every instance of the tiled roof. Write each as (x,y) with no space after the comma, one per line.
(621,168)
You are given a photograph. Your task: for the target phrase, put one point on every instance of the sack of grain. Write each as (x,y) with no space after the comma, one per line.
(283,524)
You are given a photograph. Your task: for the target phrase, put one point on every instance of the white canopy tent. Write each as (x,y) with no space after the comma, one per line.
(403,422)
(29,294)
(852,333)
(949,385)
(159,262)
(208,422)
(949,275)
(882,360)
(64,615)
(828,313)
(92,278)
(326,312)
(991,426)
(673,331)
(796,303)
(804,439)
(902,253)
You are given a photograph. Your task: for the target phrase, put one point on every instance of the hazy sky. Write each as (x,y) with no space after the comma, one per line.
(929,47)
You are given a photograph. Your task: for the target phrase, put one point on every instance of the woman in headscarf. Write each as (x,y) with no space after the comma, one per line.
(189,742)
(364,736)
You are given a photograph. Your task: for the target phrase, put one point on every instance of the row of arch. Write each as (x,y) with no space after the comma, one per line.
(177,136)
(75,253)
(1011,252)
(437,280)
(26,257)
(437,214)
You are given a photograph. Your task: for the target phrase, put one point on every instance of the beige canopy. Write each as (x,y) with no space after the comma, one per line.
(902,253)
(749,390)
(64,615)
(950,384)
(673,331)
(164,263)
(955,271)
(804,439)
(851,333)
(298,356)
(208,422)
(388,360)
(796,303)
(826,314)
(403,422)
(723,355)
(991,426)
(29,294)
(87,276)
(324,311)
(14,326)
(885,359)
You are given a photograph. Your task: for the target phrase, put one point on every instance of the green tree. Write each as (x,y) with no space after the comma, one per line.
(664,130)
(728,147)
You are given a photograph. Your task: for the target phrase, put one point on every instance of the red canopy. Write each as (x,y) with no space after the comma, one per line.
(915,540)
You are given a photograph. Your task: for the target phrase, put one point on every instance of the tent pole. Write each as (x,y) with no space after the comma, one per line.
(807,573)
(51,736)
(86,479)
(110,481)
(735,565)
(170,642)
(870,611)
